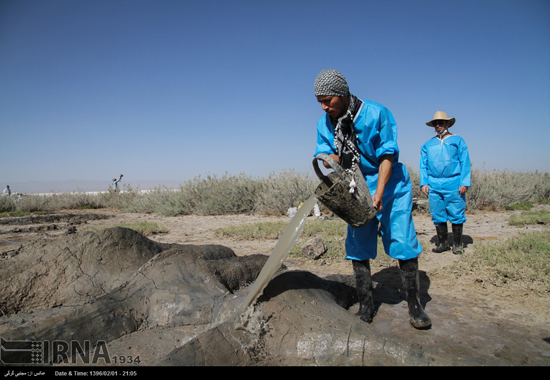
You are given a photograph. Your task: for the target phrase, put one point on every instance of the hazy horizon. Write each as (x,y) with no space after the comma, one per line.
(76,185)
(73,185)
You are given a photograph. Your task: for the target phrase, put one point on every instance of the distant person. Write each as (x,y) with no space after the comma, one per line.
(445,176)
(361,132)
(7,191)
(115,182)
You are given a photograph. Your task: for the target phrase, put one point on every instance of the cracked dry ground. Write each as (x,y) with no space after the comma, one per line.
(169,299)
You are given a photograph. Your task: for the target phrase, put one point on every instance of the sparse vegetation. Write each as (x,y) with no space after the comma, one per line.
(530,217)
(241,194)
(522,262)
(520,206)
(333,232)
(256,231)
(17,214)
(524,259)
(498,190)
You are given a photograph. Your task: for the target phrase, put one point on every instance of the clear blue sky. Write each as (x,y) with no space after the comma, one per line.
(170,89)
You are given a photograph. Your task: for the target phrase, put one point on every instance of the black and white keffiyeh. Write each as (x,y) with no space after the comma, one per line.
(345,139)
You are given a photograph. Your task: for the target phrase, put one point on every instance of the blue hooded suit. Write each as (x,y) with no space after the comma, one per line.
(444,166)
(376,133)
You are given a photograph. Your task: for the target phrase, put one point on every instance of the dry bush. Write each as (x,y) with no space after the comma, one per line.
(497,190)
(281,191)
(213,195)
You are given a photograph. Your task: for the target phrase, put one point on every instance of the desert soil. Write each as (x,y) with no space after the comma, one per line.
(471,318)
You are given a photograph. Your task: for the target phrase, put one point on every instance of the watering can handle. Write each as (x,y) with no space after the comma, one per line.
(333,164)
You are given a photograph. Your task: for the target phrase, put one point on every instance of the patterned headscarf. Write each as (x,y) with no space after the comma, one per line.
(332,83)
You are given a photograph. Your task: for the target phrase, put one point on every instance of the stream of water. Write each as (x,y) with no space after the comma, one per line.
(287,240)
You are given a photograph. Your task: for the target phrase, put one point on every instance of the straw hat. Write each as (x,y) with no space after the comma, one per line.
(440,115)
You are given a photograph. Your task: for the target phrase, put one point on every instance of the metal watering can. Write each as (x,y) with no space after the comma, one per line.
(355,208)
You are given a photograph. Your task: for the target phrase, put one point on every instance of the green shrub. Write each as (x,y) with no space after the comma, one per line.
(520,206)
(530,217)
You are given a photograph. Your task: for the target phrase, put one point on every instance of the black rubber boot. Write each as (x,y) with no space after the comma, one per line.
(443,238)
(363,281)
(409,274)
(457,239)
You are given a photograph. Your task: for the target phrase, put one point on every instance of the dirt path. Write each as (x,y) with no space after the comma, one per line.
(471,320)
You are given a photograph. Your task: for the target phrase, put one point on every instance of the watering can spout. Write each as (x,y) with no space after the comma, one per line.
(355,207)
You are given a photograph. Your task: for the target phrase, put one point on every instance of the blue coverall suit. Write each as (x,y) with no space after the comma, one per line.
(376,133)
(115,184)
(444,166)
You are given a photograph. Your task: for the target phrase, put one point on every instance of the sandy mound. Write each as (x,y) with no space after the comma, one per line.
(114,283)
(170,300)
(75,269)
(101,286)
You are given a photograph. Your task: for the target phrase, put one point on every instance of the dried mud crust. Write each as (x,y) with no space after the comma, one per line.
(472,321)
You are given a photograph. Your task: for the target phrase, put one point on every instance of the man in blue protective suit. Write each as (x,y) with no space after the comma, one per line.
(116,181)
(445,176)
(359,132)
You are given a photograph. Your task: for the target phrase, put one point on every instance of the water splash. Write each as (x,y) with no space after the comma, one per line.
(287,240)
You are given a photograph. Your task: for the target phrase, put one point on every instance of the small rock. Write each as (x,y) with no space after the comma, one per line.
(314,248)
